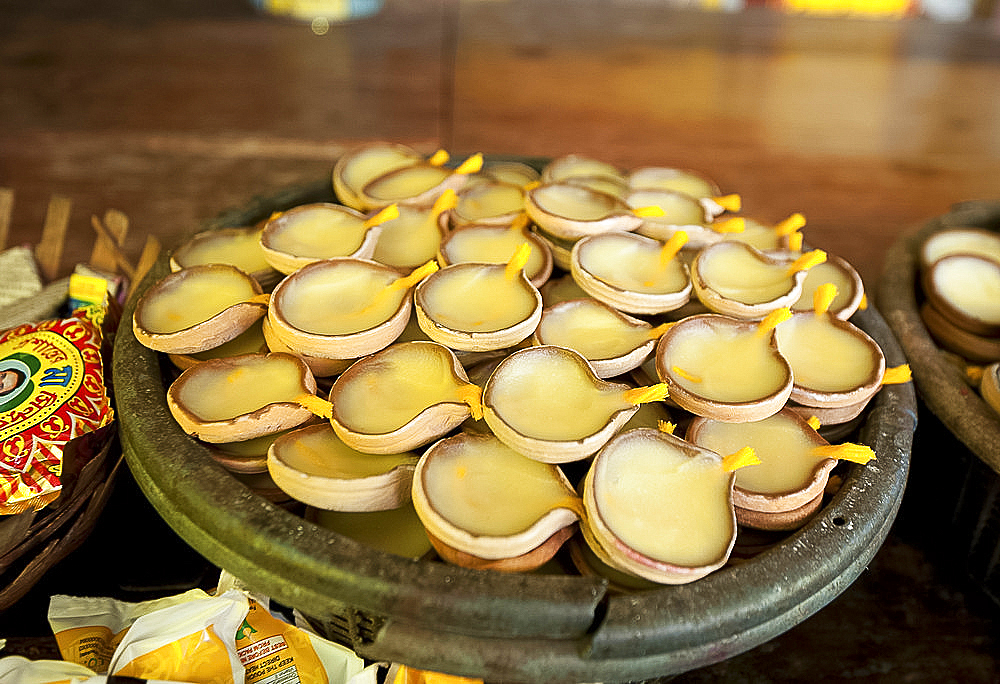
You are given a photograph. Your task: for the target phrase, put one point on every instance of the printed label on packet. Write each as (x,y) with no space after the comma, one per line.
(274,652)
(51,391)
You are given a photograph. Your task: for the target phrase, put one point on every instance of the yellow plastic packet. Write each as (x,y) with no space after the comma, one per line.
(21,670)
(89,629)
(190,641)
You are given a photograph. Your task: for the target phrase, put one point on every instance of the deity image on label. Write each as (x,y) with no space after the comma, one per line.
(16,385)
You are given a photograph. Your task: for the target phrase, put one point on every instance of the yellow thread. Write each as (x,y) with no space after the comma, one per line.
(445,201)
(676,370)
(807,261)
(795,242)
(855,453)
(773,320)
(659,330)
(672,246)
(864,302)
(737,224)
(645,395)
(439,158)
(652,211)
(666,426)
(518,261)
(473,396)
(790,225)
(742,458)
(897,375)
(528,187)
(732,202)
(574,504)
(975,374)
(823,297)
(471,165)
(387,214)
(260,299)
(317,406)
(520,222)
(274,215)
(415,276)
(814,423)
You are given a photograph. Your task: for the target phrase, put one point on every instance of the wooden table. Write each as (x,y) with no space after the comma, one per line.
(174,111)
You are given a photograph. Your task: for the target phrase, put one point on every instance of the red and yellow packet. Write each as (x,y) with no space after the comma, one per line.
(52,390)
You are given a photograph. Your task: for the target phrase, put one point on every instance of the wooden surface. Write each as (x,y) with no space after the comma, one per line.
(174,111)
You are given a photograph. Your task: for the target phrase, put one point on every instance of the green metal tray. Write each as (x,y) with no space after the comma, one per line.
(503,627)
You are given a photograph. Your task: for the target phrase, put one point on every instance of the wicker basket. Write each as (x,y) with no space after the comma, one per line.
(33,542)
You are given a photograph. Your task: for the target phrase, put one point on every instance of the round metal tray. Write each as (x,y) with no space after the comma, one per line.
(504,627)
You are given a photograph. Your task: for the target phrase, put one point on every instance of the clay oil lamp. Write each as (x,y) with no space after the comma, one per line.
(509,171)
(479,307)
(778,239)
(578,166)
(786,487)
(412,238)
(248,457)
(497,244)
(972,241)
(250,341)
(547,403)
(842,275)
(239,247)
(419,184)
(397,530)
(401,398)
(242,397)
(633,273)
(989,386)
(686,181)
(737,280)
(343,308)
(835,364)
(198,308)
(313,232)
(359,166)
(725,368)
(661,508)
(487,202)
(613,342)
(681,212)
(570,211)
(486,506)
(965,289)
(314,466)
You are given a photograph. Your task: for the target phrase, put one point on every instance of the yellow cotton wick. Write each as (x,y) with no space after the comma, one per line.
(690,377)
(571,503)
(974,374)
(855,453)
(520,223)
(531,185)
(645,395)
(652,211)
(790,225)
(737,224)
(660,330)
(274,215)
(317,406)
(666,426)
(823,297)
(773,320)
(864,302)
(742,458)
(807,261)
(795,242)
(439,158)
(473,396)
(897,375)
(471,165)
(814,423)
(264,298)
(518,261)
(672,247)
(387,214)
(731,202)
(415,276)
(446,200)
